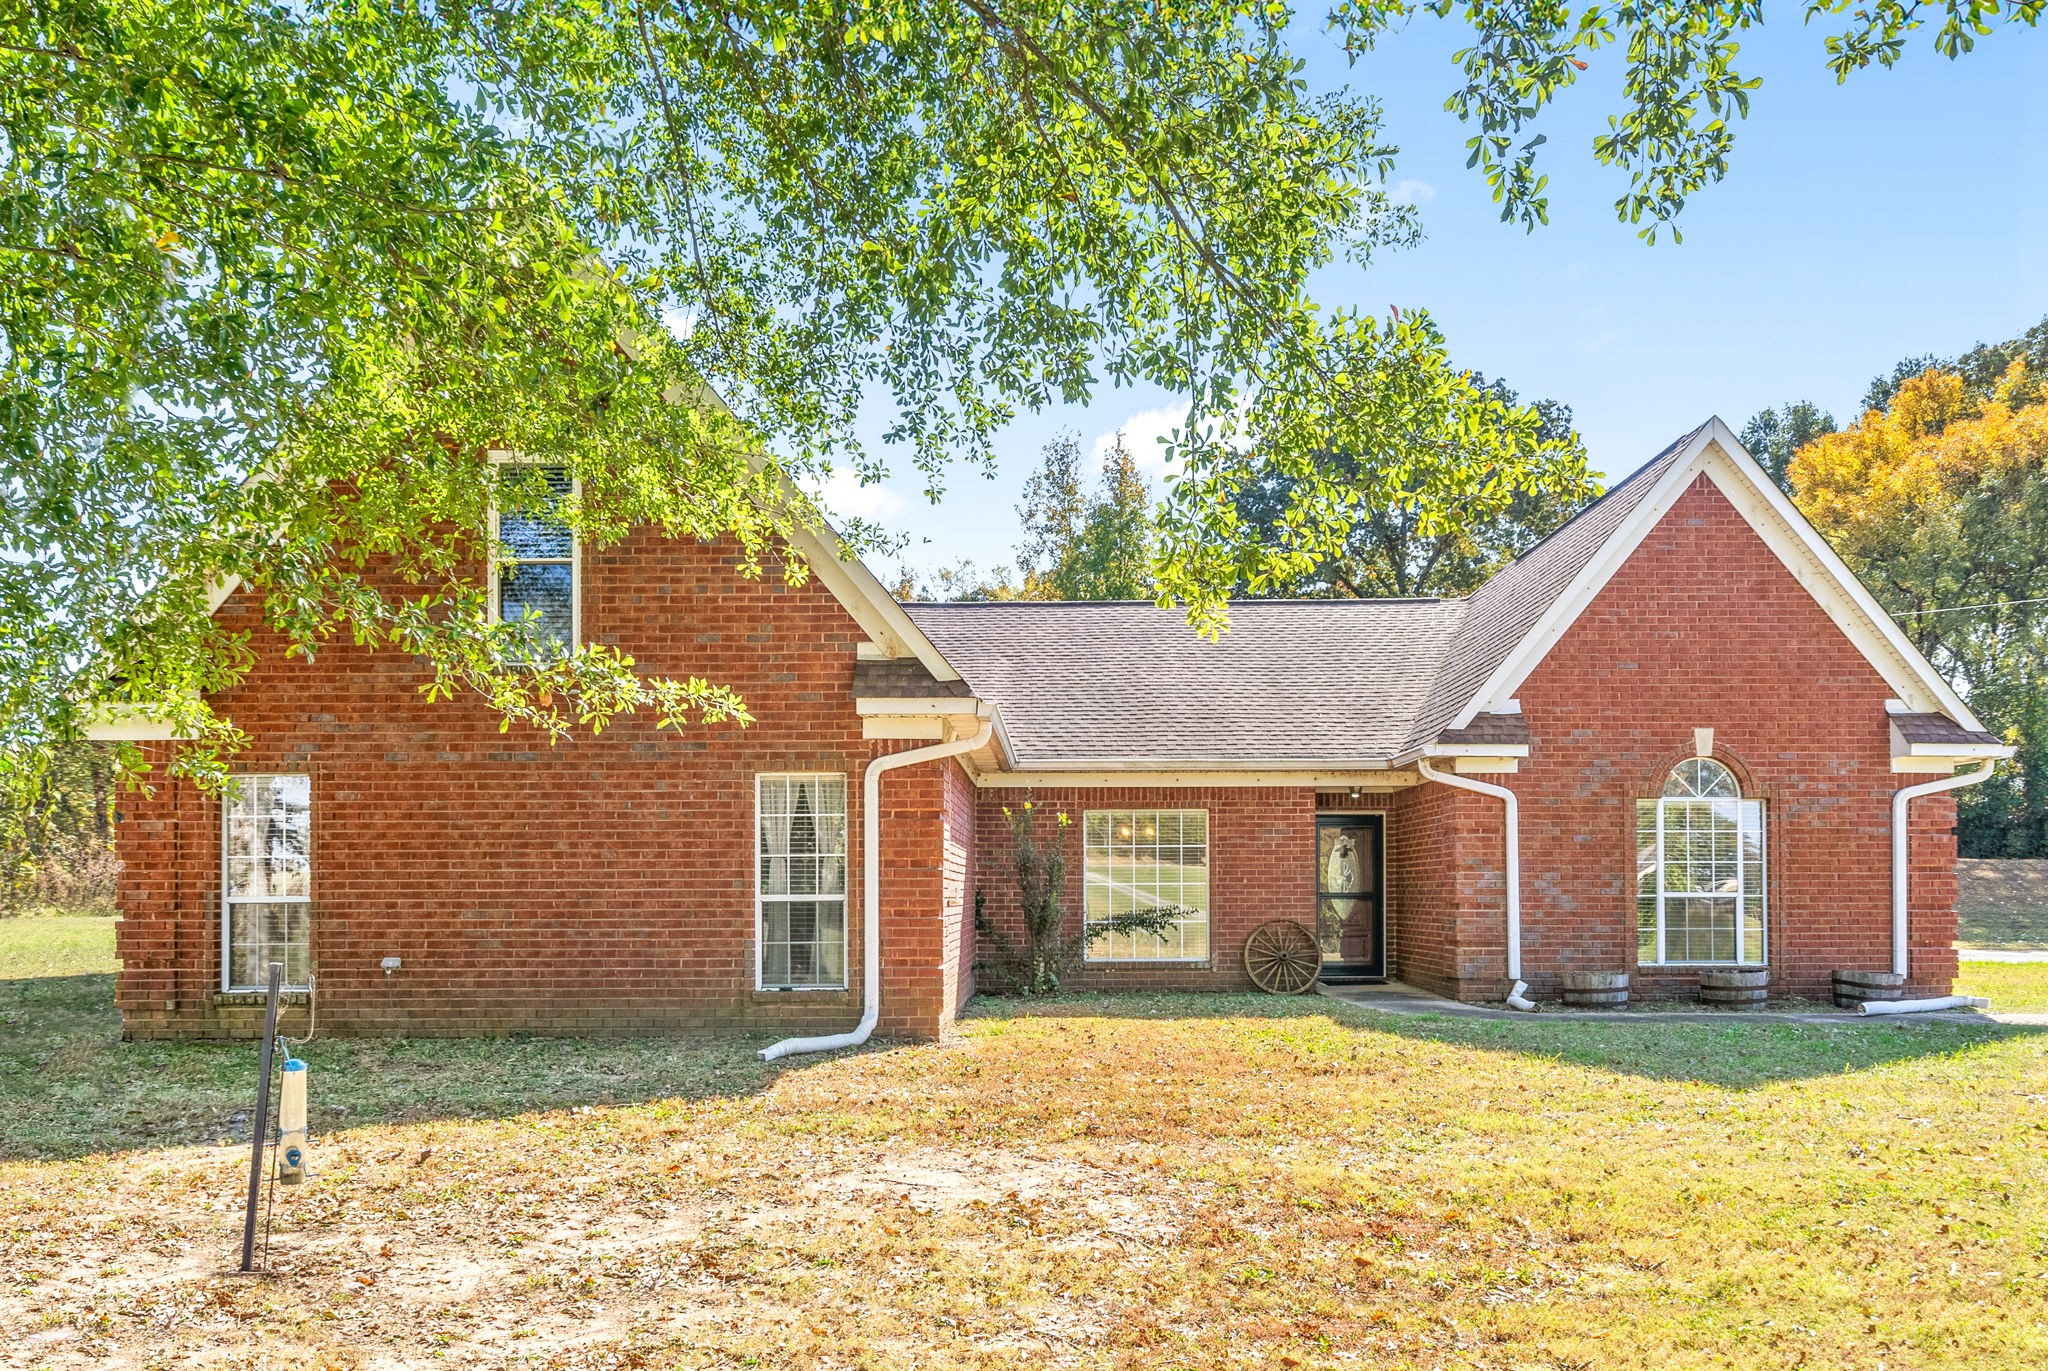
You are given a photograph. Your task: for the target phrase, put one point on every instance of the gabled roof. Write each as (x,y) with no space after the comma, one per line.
(1499,615)
(1543,592)
(1372,683)
(1127,685)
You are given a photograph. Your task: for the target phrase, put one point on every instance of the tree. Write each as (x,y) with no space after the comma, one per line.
(57,847)
(1402,542)
(1075,546)
(1982,368)
(1939,501)
(1773,436)
(278,277)
(1078,547)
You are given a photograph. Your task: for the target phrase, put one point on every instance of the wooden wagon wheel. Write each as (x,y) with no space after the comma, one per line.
(1282,957)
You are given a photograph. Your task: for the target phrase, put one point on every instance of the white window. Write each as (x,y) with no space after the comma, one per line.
(1140,860)
(1700,871)
(266,882)
(800,842)
(538,566)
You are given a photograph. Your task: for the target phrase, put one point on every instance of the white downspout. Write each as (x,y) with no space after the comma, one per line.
(871,893)
(1901,840)
(1513,822)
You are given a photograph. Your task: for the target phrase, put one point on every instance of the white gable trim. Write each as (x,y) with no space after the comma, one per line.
(1716,453)
(870,604)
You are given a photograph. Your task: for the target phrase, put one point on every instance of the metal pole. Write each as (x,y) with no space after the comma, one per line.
(262,1123)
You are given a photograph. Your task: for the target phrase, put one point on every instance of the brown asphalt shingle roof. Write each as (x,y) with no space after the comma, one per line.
(1304,682)
(1939,728)
(903,679)
(1316,683)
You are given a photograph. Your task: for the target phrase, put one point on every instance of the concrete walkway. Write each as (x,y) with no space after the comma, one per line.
(1396,998)
(1993,954)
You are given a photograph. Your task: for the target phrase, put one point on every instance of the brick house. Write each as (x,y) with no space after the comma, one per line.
(1675,735)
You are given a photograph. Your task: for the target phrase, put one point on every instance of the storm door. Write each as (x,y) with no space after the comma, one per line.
(1351,922)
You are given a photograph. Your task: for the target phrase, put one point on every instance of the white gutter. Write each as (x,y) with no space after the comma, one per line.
(1901,840)
(871,893)
(1513,824)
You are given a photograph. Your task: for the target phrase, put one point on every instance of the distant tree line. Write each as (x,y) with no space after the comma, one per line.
(1938,498)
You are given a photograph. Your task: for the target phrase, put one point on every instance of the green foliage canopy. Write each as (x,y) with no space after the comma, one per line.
(1422,535)
(278,277)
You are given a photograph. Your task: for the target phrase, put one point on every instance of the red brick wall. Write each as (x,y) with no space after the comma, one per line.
(1445,891)
(1704,627)
(1261,866)
(605,883)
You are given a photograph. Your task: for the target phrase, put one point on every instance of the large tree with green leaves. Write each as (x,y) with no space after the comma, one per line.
(277,277)
(1408,535)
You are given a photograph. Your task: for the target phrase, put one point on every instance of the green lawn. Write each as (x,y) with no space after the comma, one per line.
(2014,987)
(1132,1181)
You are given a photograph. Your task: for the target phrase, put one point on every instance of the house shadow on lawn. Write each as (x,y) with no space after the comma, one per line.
(70,1087)
(1732,1055)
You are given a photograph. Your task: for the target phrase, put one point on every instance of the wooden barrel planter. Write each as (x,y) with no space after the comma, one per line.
(1596,989)
(1735,989)
(1853,988)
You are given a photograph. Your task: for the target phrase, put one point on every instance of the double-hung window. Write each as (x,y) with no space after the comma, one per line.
(1137,860)
(536,567)
(266,882)
(1700,871)
(800,839)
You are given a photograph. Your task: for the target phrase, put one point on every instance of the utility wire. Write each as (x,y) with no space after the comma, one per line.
(1956,609)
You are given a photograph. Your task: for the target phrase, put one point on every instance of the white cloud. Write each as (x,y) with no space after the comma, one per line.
(680,322)
(841,493)
(1143,434)
(1412,193)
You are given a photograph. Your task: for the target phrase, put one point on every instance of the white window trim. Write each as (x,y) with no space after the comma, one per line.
(1741,891)
(1088,957)
(761,898)
(497,568)
(228,901)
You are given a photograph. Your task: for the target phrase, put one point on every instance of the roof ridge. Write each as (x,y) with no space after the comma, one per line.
(1277,600)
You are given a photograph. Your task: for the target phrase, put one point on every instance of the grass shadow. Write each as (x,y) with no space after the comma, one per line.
(70,1087)
(1734,1055)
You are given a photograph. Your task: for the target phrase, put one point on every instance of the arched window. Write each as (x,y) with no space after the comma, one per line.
(1700,871)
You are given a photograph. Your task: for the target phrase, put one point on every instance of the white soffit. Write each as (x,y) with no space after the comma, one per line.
(1720,456)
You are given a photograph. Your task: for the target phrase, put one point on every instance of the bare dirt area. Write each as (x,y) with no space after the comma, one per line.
(440,1245)
(1116,1182)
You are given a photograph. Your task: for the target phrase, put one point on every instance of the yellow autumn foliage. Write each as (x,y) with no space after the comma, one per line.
(1897,476)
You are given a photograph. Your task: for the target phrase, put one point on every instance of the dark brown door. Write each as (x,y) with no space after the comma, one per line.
(1350,880)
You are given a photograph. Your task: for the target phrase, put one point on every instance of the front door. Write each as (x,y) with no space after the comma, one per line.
(1351,924)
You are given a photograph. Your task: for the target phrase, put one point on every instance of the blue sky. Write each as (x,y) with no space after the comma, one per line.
(1903,213)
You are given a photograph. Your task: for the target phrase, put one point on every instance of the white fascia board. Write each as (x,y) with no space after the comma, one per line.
(1162,765)
(871,606)
(116,724)
(1475,750)
(1716,452)
(1082,778)
(920,704)
(922,726)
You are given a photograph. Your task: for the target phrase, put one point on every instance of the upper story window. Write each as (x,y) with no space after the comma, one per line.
(267,882)
(1700,870)
(537,563)
(801,891)
(1146,859)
